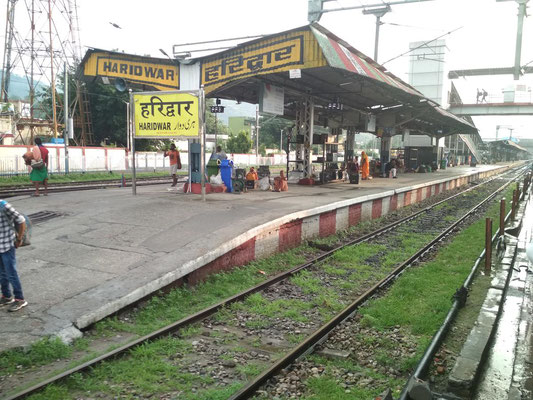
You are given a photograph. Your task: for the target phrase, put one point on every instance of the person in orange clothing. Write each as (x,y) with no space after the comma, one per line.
(252,175)
(175,162)
(365,166)
(280,183)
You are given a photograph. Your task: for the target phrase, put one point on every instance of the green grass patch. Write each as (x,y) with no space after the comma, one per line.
(147,369)
(250,370)
(259,305)
(326,386)
(42,352)
(307,282)
(352,256)
(428,290)
(161,311)
(334,270)
(80,177)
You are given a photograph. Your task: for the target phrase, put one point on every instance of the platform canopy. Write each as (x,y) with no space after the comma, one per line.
(331,72)
(347,88)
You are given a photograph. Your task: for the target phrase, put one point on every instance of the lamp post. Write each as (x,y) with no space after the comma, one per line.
(257,133)
(66,131)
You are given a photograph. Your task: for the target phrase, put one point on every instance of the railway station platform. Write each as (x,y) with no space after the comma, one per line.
(108,249)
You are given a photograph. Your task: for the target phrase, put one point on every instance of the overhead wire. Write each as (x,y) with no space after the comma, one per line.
(422,45)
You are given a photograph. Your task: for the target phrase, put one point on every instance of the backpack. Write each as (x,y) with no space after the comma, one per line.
(26,236)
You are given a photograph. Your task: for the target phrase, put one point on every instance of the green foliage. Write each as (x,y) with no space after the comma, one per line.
(40,353)
(239,143)
(108,114)
(270,131)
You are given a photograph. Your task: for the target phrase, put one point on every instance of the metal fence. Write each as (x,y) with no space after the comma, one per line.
(118,162)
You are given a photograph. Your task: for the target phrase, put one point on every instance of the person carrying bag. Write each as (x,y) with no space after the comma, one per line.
(37,159)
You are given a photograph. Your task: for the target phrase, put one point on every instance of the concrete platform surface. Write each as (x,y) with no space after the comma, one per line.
(110,247)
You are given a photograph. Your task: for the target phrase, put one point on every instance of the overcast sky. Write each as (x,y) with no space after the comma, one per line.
(486,37)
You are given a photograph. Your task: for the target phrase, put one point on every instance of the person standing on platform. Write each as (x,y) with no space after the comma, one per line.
(220,154)
(9,241)
(393,165)
(365,166)
(39,174)
(175,163)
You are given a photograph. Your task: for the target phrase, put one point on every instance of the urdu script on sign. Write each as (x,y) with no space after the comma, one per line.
(166,126)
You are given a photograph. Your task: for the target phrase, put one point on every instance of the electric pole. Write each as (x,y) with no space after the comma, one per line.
(315,9)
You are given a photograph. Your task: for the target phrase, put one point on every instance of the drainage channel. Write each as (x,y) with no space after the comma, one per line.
(42,216)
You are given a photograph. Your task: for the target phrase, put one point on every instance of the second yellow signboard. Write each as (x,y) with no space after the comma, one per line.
(166,115)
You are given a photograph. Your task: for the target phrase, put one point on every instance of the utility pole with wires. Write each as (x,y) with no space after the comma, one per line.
(316,9)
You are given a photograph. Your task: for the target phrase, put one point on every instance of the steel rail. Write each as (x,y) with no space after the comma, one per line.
(321,334)
(72,187)
(235,298)
(436,341)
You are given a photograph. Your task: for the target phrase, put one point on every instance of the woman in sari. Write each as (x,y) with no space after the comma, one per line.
(365,166)
(38,174)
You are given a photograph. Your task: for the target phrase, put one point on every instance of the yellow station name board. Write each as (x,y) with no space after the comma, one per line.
(166,115)
(280,53)
(142,70)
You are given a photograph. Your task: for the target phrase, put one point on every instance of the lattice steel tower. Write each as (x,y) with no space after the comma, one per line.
(39,46)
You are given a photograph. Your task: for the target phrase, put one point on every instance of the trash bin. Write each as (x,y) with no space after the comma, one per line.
(212,167)
(226,170)
(443,163)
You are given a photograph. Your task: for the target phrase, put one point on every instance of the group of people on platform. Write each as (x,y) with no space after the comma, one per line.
(353,168)
(280,182)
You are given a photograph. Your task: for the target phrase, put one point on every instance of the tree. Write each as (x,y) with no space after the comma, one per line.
(239,143)
(270,131)
(108,114)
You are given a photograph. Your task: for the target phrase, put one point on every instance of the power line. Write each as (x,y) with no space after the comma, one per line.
(422,45)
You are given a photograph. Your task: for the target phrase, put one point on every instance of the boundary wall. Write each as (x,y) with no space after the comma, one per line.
(98,159)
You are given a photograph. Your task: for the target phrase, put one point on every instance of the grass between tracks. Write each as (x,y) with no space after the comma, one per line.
(158,312)
(24,180)
(415,307)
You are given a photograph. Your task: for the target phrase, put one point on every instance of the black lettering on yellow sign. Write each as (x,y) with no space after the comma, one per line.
(148,72)
(253,60)
(138,70)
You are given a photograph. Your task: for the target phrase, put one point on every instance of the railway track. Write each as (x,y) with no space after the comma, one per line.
(12,191)
(264,329)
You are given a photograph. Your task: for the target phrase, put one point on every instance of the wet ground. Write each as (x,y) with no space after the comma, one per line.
(509,369)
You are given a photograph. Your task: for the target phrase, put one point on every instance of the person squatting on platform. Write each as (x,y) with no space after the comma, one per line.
(390,168)
(280,183)
(9,241)
(175,163)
